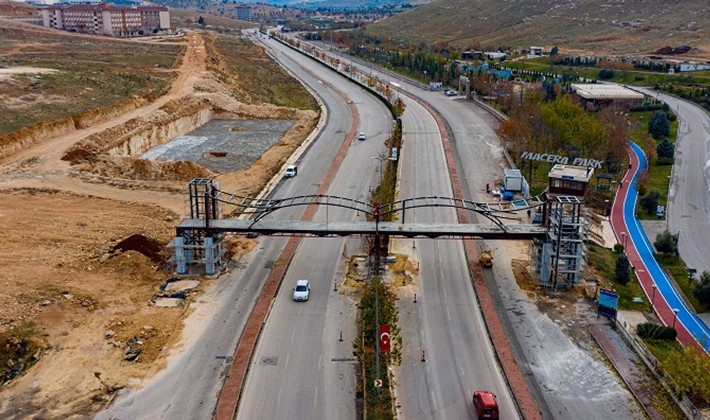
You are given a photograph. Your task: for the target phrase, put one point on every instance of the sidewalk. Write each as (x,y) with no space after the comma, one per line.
(628,365)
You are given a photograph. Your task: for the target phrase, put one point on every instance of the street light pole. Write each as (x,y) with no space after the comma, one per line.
(675,315)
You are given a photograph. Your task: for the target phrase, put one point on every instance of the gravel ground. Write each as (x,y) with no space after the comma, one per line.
(223,145)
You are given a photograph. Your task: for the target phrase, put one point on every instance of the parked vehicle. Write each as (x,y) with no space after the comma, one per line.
(361,136)
(450,92)
(660,211)
(486,405)
(486,258)
(302,291)
(291,171)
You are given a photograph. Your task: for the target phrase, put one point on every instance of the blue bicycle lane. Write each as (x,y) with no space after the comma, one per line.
(691,329)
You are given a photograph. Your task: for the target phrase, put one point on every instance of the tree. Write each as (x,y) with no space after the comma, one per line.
(702,289)
(665,151)
(606,74)
(658,125)
(649,202)
(690,371)
(554,51)
(666,243)
(621,272)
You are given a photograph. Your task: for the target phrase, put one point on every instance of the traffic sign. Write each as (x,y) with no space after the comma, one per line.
(378,383)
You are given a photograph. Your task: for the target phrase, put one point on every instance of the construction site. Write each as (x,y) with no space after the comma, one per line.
(88,303)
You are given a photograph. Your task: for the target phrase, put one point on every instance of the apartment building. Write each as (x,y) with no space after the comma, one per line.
(107,19)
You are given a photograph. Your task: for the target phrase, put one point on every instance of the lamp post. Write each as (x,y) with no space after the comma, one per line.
(653,296)
(606,207)
(623,240)
(675,315)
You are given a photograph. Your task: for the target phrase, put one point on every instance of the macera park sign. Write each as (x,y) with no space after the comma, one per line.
(563,160)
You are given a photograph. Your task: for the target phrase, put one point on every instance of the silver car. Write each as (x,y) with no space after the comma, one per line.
(302,291)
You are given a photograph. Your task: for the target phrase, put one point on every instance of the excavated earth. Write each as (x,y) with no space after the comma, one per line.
(85,223)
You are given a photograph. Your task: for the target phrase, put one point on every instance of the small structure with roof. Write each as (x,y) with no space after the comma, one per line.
(569,180)
(599,94)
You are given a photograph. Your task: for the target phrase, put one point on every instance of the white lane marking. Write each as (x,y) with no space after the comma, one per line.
(433,401)
(278,399)
(315,398)
(320,357)
(288,355)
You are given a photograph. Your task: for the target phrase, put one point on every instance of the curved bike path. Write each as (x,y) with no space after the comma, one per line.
(691,330)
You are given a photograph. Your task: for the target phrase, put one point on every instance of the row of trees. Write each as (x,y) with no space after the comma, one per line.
(552,122)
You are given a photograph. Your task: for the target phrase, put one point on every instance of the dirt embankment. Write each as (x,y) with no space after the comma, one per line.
(85,224)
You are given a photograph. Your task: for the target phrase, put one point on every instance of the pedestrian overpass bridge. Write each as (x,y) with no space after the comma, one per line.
(215,213)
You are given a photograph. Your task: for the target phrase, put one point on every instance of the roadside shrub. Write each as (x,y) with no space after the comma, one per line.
(689,369)
(656,332)
(665,151)
(606,74)
(666,243)
(649,202)
(658,125)
(702,289)
(618,248)
(621,271)
(645,107)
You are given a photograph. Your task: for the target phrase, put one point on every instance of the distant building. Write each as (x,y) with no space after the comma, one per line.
(536,51)
(244,13)
(495,55)
(472,55)
(107,19)
(599,94)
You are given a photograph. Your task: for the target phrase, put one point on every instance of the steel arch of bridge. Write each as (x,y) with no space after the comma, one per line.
(260,208)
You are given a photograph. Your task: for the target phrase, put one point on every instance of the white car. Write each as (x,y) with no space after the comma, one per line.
(450,92)
(291,171)
(361,136)
(302,291)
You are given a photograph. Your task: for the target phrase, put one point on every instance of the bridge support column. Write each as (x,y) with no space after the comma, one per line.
(180,260)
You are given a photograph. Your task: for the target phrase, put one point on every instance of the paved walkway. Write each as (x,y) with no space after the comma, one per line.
(627,364)
(667,305)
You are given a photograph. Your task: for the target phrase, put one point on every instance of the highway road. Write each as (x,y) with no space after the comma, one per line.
(445,323)
(569,381)
(189,386)
(301,369)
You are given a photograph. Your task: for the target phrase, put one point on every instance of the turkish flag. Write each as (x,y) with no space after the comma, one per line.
(384,338)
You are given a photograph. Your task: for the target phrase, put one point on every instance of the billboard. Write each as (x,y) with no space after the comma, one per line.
(608,301)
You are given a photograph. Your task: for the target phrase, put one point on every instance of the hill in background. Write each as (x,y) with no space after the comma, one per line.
(612,27)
